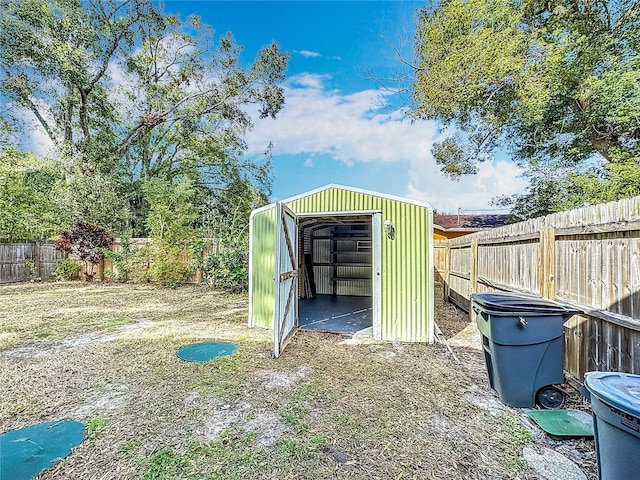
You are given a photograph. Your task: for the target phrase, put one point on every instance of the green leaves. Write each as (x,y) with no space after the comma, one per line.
(550,82)
(172,211)
(171,224)
(127,96)
(467,52)
(28,207)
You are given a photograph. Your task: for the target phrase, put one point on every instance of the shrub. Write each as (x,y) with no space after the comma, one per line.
(228,220)
(33,274)
(157,261)
(66,269)
(138,264)
(167,265)
(228,270)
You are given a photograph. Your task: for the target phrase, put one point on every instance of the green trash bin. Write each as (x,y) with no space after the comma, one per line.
(615,402)
(523,342)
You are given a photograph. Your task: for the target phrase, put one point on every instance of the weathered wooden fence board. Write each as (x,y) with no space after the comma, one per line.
(15,259)
(588,257)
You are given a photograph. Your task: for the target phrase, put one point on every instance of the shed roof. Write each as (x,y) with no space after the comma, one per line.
(350,189)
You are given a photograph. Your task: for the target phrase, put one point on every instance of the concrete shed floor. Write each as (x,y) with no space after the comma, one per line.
(341,313)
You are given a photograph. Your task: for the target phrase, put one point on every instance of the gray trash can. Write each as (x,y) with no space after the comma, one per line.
(615,401)
(522,338)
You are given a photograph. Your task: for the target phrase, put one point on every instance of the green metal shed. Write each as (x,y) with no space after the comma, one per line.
(343,259)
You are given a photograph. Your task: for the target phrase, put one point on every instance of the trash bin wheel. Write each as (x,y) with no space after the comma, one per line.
(550,397)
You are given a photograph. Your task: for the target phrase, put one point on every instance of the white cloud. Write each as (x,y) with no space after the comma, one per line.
(473,192)
(356,129)
(307,80)
(350,128)
(39,142)
(308,163)
(308,53)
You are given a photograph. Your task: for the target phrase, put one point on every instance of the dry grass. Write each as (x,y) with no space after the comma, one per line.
(106,354)
(30,311)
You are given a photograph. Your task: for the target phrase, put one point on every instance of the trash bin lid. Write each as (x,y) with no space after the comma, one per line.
(519,302)
(621,390)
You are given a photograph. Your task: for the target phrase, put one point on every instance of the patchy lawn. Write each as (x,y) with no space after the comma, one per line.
(106,355)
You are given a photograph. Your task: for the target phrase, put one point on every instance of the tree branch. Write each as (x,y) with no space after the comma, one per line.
(114,43)
(25,100)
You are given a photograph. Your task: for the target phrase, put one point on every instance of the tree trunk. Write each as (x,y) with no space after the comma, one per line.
(84,121)
(603,143)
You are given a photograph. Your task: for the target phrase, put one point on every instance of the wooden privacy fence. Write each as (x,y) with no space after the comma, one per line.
(588,258)
(22,261)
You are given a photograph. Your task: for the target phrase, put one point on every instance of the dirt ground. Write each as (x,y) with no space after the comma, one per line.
(329,408)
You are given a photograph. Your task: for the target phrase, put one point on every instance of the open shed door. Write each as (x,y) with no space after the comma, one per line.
(286,280)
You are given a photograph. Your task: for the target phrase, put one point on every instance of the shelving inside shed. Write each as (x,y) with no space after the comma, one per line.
(337,255)
(350,254)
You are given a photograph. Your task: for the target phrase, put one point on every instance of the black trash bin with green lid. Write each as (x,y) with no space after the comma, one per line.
(522,338)
(615,402)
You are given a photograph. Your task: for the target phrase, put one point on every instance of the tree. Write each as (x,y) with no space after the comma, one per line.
(87,242)
(227,218)
(126,93)
(555,83)
(172,228)
(197,109)
(28,197)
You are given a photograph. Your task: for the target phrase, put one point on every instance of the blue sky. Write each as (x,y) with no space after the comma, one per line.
(333,128)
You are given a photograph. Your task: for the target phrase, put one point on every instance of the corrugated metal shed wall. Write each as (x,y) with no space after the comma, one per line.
(407,276)
(263,264)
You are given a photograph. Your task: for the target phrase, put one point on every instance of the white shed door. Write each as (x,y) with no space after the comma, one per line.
(286,280)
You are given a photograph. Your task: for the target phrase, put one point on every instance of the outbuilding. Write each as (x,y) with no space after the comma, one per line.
(342,259)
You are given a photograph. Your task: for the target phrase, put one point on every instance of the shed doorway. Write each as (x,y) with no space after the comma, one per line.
(339,272)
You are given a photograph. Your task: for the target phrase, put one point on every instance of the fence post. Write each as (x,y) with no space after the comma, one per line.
(447,271)
(37,259)
(548,263)
(100,272)
(199,272)
(473,273)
